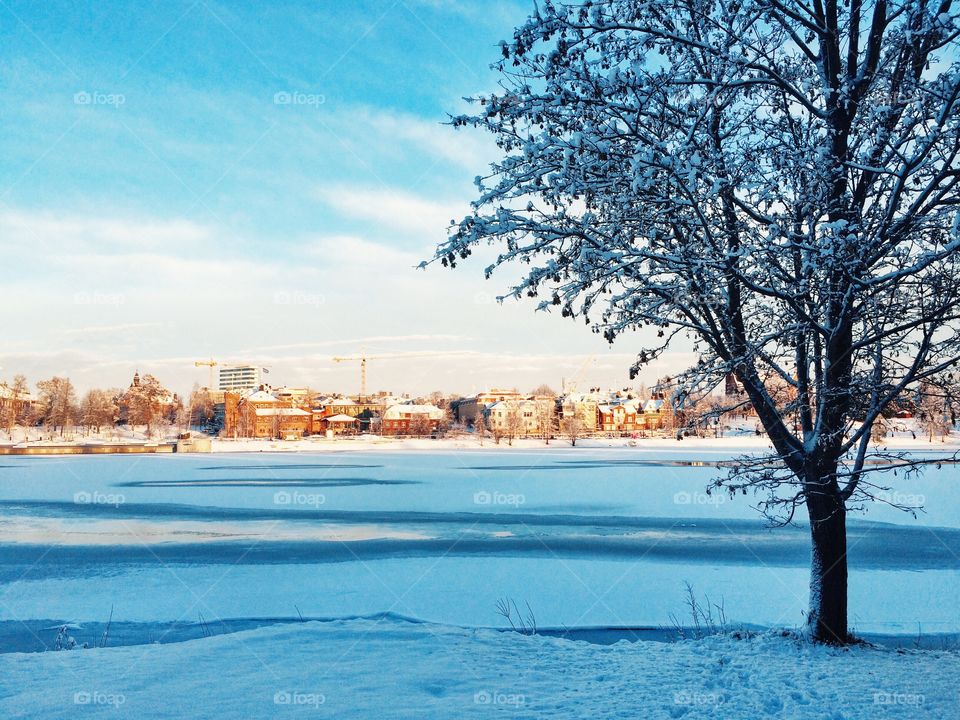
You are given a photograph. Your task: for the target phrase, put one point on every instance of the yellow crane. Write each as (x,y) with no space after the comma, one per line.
(211,363)
(572,386)
(362,358)
(363,370)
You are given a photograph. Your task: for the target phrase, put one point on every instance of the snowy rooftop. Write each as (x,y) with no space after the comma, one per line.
(397,412)
(286,412)
(7,393)
(260,396)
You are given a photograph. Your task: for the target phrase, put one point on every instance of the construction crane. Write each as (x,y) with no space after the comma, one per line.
(362,358)
(211,363)
(363,370)
(571,387)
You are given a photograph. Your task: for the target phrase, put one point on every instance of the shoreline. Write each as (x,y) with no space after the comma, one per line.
(90,449)
(728,445)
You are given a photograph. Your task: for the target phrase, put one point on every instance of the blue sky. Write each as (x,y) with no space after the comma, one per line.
(255,182)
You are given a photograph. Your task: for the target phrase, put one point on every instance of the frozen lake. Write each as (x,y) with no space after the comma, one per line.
(184,545)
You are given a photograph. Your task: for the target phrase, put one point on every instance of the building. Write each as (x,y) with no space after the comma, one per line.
(468,410)
(14,405)
(339,425)
(281,423)
(365,410)
(411,420)
(261,415)
(488,397)
(301,397)
(623,417)
(656,415)
(582,406)
(731,387)
(618,417)
(241,378)
(226,413)
(524,417)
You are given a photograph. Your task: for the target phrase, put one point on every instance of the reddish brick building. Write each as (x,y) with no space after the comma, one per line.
(633,416)
(261,415)
(411,420)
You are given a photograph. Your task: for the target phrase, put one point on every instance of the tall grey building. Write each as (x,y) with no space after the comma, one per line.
(237,378)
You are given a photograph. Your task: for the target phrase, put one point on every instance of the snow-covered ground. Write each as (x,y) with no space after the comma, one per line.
(734,437)
(903,436)
(21,435)
(469,443)
(388,668)
(182,546)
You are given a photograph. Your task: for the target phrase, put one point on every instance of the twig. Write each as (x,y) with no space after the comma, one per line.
(106,632)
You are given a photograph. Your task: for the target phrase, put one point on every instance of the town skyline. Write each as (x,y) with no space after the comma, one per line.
(338,380)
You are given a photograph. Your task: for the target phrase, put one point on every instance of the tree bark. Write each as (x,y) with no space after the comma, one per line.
(827,619)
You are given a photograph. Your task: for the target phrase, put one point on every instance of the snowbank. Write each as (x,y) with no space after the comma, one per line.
(732,444)
(904,436)
(389,668)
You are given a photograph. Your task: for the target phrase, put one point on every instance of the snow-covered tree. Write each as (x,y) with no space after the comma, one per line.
(543,390)
(14,407)
(545,418)
(99,408)
(200,407)
(508,419)
(420,424)
(573,426)
(777,180)
(937,401)
(480,426)
(146,401)
(56,403)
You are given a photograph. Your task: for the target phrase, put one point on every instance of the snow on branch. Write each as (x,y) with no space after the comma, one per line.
(778,184)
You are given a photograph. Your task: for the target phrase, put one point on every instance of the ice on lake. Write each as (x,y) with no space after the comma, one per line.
(587,538)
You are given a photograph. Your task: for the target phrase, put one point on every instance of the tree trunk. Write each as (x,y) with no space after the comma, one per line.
(827,619)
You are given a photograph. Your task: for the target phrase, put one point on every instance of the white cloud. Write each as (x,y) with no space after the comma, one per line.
(359,253)
(360,341)
(111,293)
(74,233)
(467,148)
(394,209)
(111,329)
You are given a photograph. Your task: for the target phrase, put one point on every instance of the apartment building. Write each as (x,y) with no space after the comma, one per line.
(411,419)
(261,415)
(240,378)
(524,417)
